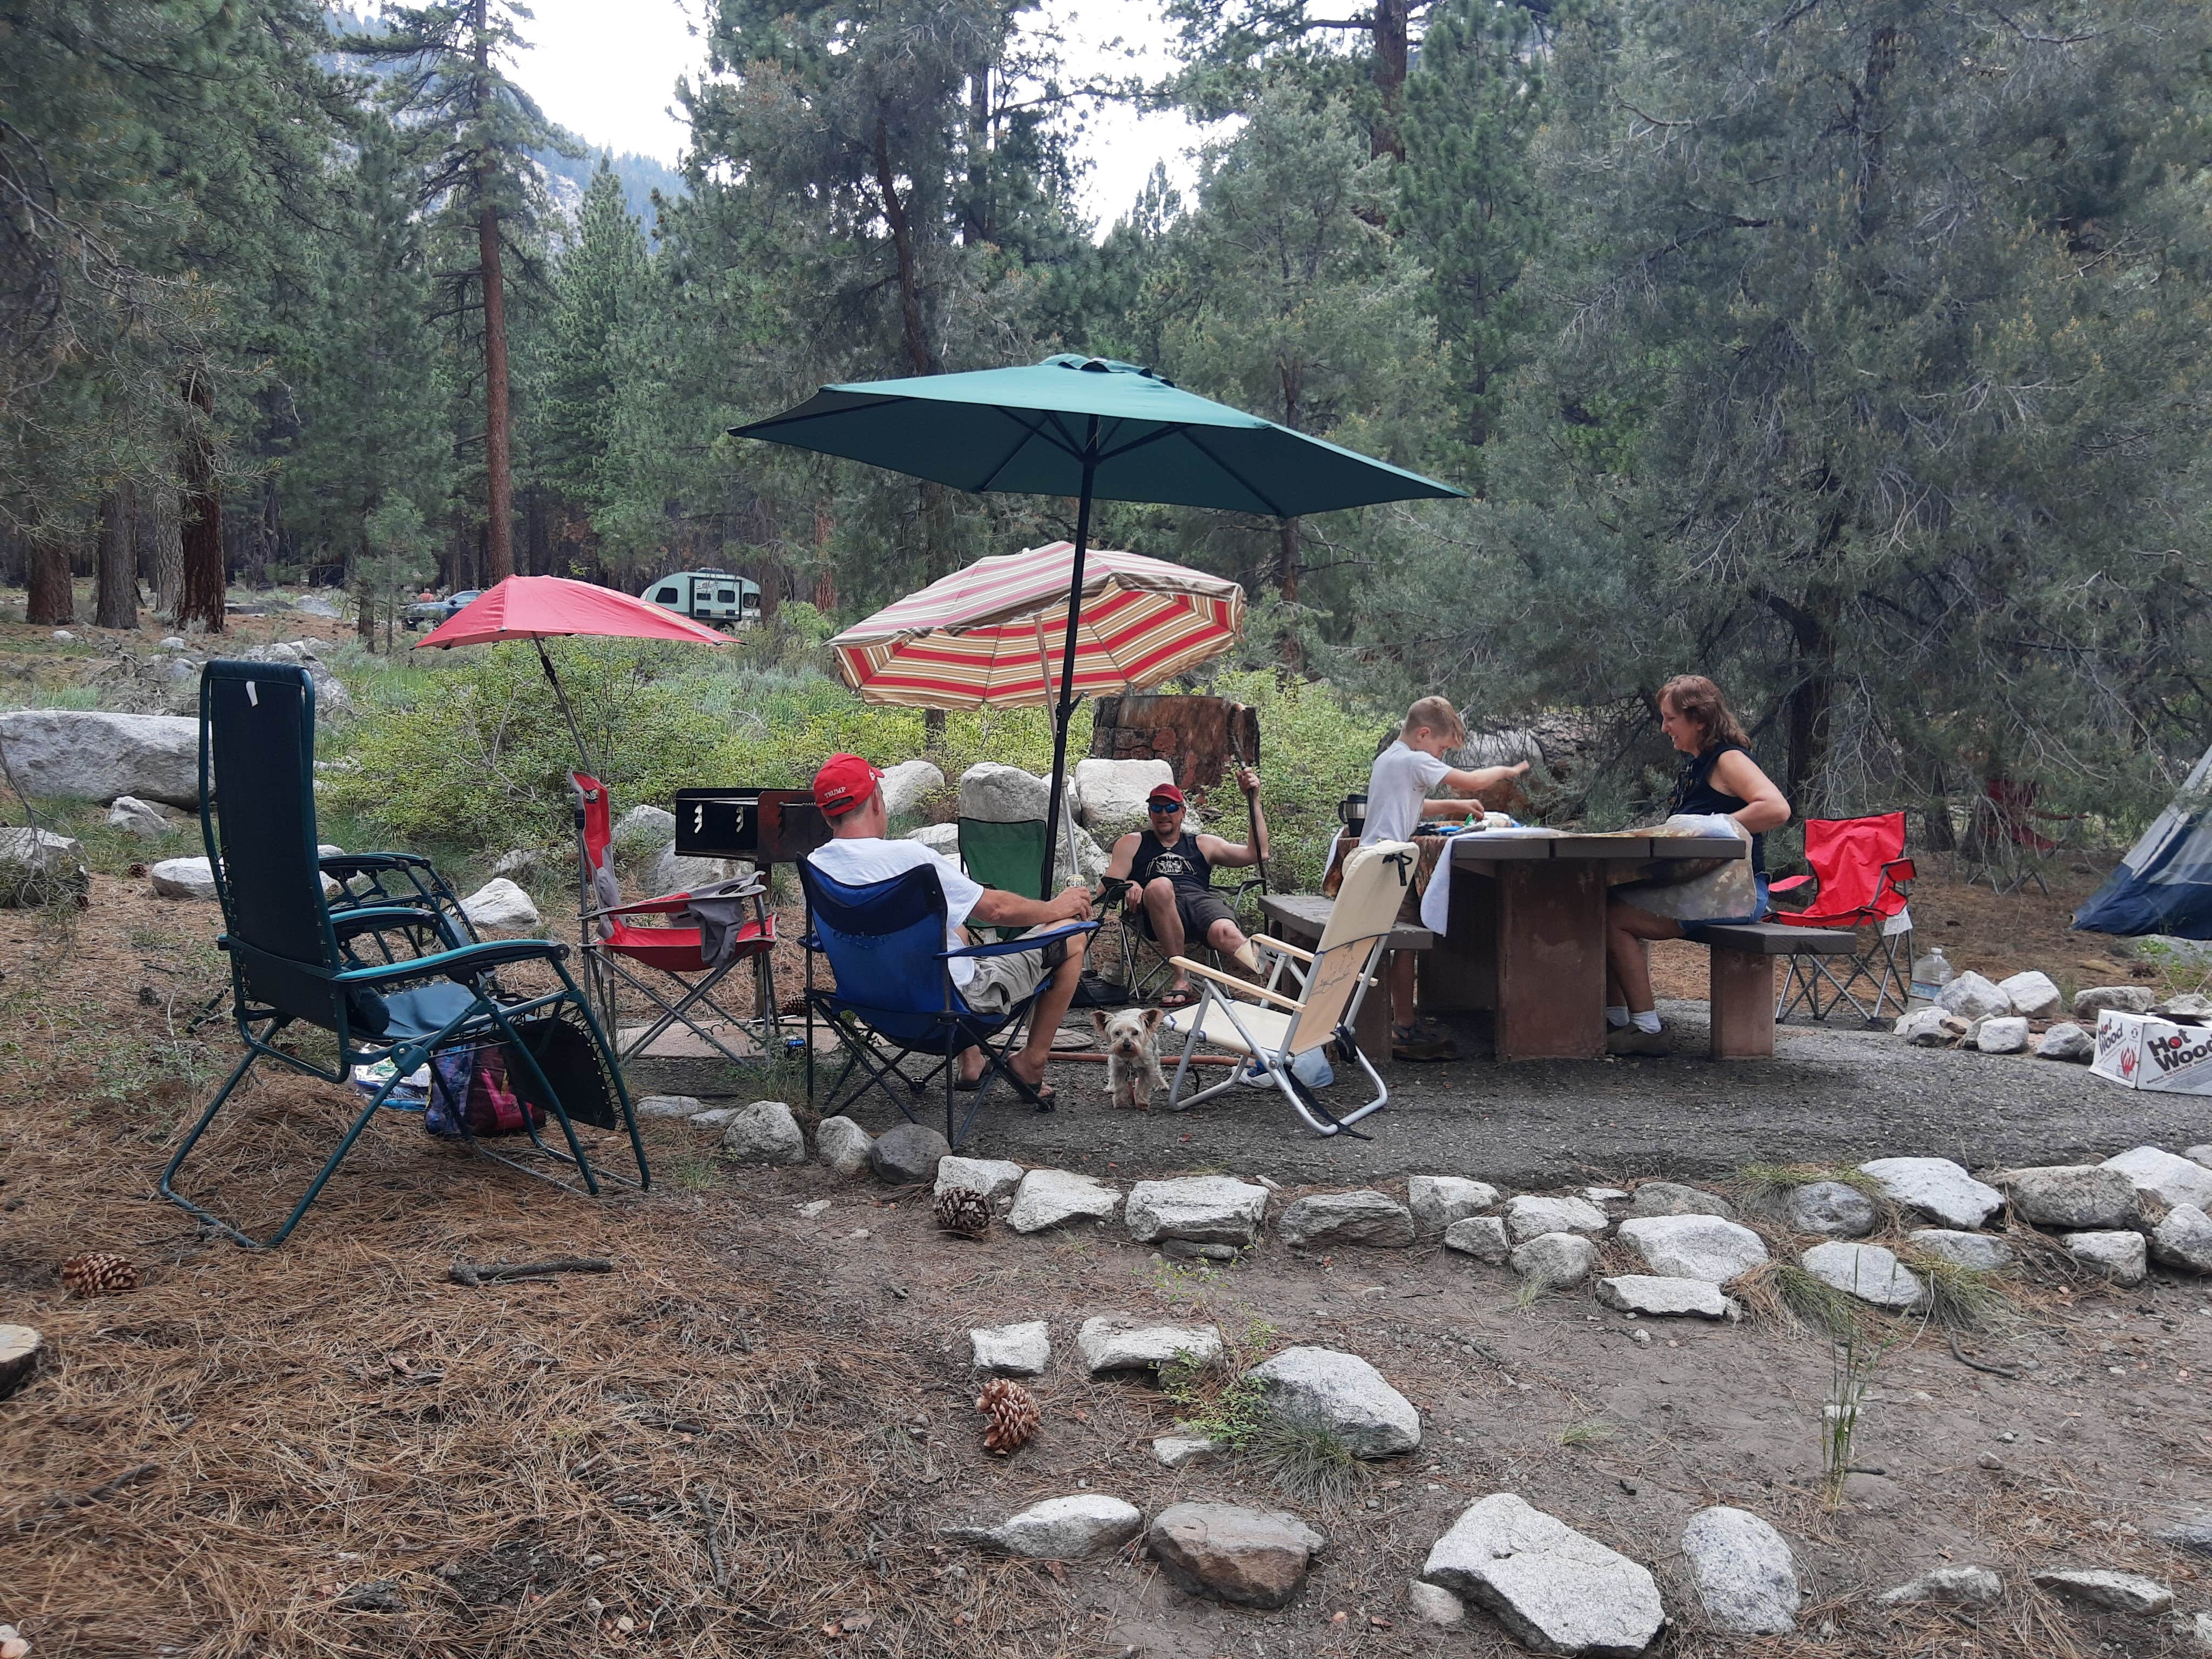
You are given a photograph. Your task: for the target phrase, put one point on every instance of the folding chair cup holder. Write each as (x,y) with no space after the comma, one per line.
(1271,1027)
(300,960)
(1864,880)
(666,966)
(894,999)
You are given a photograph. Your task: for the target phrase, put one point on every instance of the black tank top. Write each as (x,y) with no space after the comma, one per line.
(1181,864)
(1695,793)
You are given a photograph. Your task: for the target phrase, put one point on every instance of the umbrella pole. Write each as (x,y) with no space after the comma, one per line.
(562,697)
(1067,706)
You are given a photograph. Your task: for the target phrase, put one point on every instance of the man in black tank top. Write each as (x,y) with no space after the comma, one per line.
(1171,896)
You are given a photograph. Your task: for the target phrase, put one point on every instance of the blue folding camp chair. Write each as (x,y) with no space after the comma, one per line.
(296,961)
(885,944)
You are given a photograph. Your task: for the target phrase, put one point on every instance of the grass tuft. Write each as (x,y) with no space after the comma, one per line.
(1306,1459)
(1591,1432)
(1961,1298)
(1782,1296)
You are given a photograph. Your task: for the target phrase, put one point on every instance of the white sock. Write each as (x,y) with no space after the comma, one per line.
(1616,1016)
(1648,1020)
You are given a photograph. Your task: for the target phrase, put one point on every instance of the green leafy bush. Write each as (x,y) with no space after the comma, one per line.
(474,754)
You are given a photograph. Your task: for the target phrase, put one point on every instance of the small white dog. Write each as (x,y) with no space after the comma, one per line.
(1130,1039)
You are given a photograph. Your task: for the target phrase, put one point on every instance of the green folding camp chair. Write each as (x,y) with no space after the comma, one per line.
(1006,856)
(296,962)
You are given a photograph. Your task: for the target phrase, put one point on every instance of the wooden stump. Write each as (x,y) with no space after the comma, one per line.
(18,1356)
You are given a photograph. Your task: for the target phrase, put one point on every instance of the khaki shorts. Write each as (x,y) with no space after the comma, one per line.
(1002,981)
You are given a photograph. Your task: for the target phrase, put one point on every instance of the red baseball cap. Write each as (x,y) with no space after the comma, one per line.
(844,783)
(1166,792)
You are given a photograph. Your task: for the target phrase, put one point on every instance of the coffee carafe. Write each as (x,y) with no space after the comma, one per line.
(1352,810)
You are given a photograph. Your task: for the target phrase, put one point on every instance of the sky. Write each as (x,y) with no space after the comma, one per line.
(614,87)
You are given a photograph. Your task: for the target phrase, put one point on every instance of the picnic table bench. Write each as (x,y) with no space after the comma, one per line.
(1300,919)
(1741,982)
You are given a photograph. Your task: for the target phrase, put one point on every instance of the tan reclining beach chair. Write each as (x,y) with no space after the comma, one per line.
(1274,1028)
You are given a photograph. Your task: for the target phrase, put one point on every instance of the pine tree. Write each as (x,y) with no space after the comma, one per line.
(1870,393)
(472,128)
(1469,202)
(373,450)
(1282,296)
(601,287)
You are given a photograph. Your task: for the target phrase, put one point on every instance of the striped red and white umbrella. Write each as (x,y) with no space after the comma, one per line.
(990,636)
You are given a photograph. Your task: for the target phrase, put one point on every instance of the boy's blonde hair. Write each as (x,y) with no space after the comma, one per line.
(1439,715)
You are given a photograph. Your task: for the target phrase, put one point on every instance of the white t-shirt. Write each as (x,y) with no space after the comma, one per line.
(1400,781)
(858,861)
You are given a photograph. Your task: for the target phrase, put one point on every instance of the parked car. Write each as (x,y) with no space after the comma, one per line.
(428,613)
(707,596)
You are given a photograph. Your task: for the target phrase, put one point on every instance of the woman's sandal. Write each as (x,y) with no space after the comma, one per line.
(1182,998)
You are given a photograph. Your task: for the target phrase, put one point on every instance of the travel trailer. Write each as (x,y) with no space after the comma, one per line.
(707,596)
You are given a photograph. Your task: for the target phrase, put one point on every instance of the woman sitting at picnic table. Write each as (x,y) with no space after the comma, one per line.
(1718,777)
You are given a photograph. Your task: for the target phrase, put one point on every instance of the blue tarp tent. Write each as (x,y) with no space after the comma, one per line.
(2164,885)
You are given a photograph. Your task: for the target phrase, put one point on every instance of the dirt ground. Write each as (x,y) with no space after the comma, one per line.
(333,1449)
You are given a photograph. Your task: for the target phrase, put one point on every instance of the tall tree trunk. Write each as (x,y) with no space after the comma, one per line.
(1288,562)
(499,476)
(975,211)
(913,332)
(200,598)
(1805,723)
(115,580)
(1392,53)
(52,598)
(160,550)
(537,532)
(364,621)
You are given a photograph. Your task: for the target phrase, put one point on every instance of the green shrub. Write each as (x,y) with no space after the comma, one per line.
(1315,749)
(473,753)
(480,756)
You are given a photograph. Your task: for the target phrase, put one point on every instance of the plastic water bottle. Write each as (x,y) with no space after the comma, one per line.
(1930,973)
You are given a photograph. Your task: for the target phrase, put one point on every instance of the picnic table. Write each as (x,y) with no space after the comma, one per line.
(1526,936)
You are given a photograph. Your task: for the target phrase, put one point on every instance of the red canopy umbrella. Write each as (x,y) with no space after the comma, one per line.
(539,608)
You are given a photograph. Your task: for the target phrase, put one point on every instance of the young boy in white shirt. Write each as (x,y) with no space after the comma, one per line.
(1398,799)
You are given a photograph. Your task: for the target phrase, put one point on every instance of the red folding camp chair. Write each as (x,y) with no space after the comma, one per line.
(1863,878)
(615,947)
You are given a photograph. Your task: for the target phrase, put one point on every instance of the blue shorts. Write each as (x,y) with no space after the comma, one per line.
(1691,930)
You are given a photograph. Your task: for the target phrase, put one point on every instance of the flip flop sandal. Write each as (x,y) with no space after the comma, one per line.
(969,1085)
(1043,1096)
(1174,999)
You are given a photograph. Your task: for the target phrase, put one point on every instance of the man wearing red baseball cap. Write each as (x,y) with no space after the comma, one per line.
(1170,875)
(848,790)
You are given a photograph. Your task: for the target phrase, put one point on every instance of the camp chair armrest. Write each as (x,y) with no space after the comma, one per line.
(1262,942)
(667,904)
(351,924)
(344,864)
(1900,871)
(455,964)
(1237,985)
(1790,883)
(1012,946)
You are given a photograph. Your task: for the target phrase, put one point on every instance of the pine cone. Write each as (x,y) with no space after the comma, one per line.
(99,1274)
(963,1211)
(1010,1414)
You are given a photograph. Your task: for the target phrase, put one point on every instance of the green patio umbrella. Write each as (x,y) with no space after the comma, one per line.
(1096,430)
